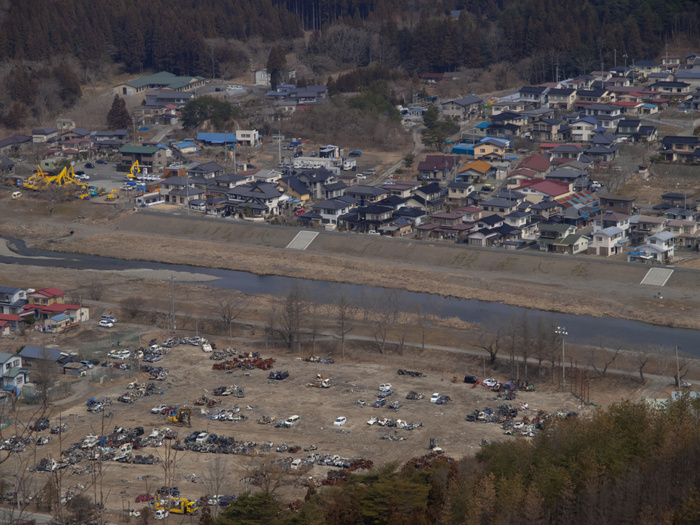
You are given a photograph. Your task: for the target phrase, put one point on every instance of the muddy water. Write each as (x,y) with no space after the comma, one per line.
(492,315)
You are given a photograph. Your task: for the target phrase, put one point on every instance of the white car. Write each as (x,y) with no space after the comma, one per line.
(201,438)
(290,421)
(434,398)
(158,409)
(108,318)
(339,421)
(384,387)
(105,324)
(161,514)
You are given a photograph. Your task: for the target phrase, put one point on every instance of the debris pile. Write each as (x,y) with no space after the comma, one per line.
(245,363)
(427,461)
(279,374)
(410,373)
(317,359)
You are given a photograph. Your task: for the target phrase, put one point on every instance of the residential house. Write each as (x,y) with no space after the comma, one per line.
(537,95)
(536,190)
(681,214)
(12,300)
(14,143)
(687,232)
(369,218)
(642,226)
(218,139)
(690,76)
(330,210)
(458,191)
(607,241)
(673,90)
(678,200)
(490,149)
(694,103)
(151,157)
(549,129)
(207,170)
(617,203)
(509,105)
(660,248)
(602,153)
(551,234)
(561,98)
(32,355)
(44,135)
(73,314)
(469,213)
(610,219)
(586,97)
(429,198)
(679,148)
(539,164)
(565,151)
(256,200)
(646,67)
(296,189)
(462,108)
(583,129)
(577,179)
(316,179)
(401,188)
(606,115)
(14,375)
(546,209)
(440,167)
(334,189)
(671,61)
(248,137)
(500,206)
(366,194)
(46,296)
(475,171)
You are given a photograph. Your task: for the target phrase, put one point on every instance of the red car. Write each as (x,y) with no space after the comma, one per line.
(143,498)
(301,211)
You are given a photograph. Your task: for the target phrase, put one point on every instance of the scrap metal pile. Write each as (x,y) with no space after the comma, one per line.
(232,390)
(245,363)
(394,423)
(334,477)
(322,360)
(138,390)
(426,462)
(155,373)
(410,373)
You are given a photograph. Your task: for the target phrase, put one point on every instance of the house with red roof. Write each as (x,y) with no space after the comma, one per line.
(46,296)
(536,190)
(540,164)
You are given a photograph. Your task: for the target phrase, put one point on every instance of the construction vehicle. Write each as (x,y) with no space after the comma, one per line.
(134,169)
(181,417)
(112,194)
(37,181)
(176,505)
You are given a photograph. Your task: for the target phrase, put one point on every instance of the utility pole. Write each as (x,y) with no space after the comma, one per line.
(172,300)
(563,333)
(678,369)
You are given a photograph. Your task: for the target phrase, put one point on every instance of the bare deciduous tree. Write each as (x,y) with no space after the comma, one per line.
(345,315)
(289,326)
(385,310)
(492,344)
(605,355)
(133,306)
(230,307)
(95,289)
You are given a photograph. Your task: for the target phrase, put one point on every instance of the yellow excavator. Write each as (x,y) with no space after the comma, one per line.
(181,417)
(134,170)
(176,505)
(112,195)
(37,181)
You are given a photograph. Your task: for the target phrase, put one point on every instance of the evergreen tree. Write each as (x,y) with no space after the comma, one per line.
(276,65)
(118,116)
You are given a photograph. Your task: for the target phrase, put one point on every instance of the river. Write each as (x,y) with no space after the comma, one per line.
(581,329)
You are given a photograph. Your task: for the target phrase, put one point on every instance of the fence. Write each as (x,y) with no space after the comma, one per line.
(97,350)
(59,390)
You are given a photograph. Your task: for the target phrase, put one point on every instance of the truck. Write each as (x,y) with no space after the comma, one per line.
(349,164)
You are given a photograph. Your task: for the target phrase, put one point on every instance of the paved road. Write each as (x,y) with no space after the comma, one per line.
(12,515)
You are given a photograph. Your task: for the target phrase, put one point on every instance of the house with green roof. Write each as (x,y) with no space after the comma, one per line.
(148,156)
(161,80)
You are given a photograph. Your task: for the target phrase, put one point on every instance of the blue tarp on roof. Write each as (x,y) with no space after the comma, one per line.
(483,125)
(463,149)
(217,138)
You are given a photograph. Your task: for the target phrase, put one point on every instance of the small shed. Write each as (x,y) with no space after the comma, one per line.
(57,322)
(75,369)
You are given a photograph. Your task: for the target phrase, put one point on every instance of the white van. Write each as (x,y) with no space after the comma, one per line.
(16,194)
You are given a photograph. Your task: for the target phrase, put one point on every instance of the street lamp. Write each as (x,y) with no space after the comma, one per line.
(563,333)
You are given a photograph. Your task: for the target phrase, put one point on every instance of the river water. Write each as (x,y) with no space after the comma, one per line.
(492,316)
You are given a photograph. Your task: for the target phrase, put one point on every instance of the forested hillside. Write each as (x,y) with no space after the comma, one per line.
(189,38)
(628,464)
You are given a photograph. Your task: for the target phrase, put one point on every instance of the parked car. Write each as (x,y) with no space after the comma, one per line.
(369,173)
(161,514)
(108,318)
(339,421)
(290,421)
(300,211)
(298,153)
(101,161)
(470,379)
(87,364)
(105,324)
(89,165)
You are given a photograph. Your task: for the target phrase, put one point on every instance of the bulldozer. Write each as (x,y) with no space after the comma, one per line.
(181,417)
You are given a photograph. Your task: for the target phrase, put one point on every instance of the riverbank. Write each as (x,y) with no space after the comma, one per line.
(573,285)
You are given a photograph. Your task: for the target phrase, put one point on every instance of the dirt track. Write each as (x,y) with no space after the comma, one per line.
(578,285)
